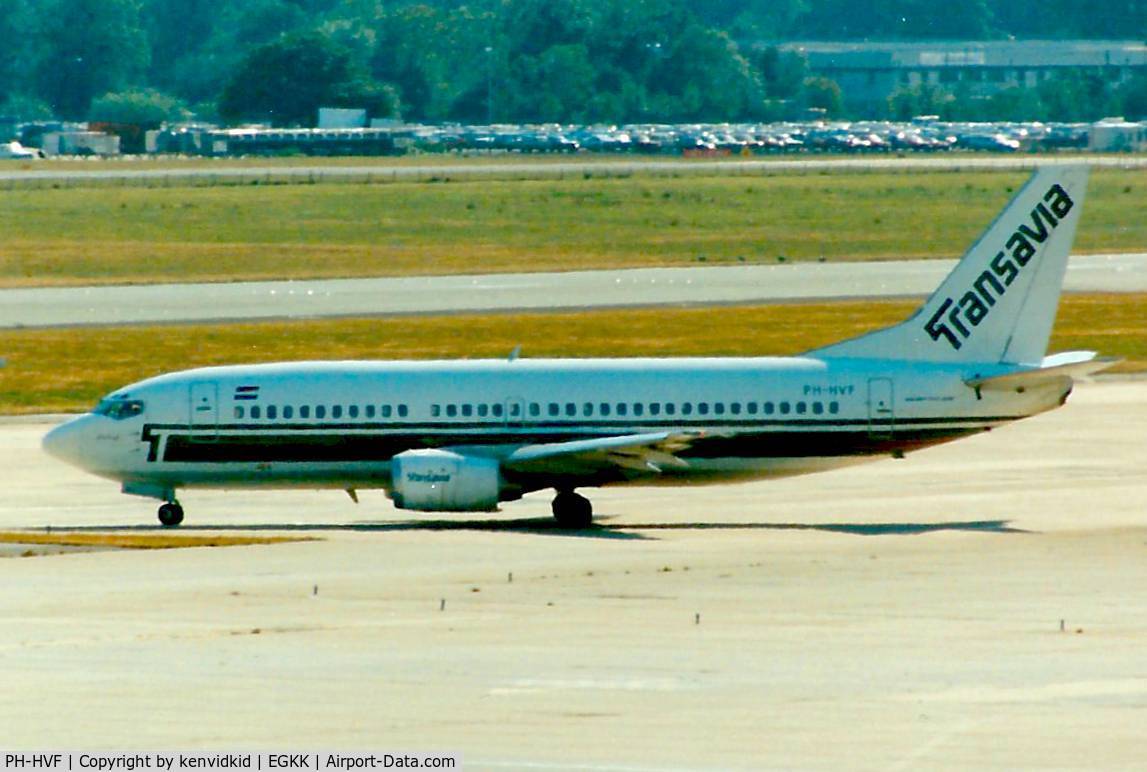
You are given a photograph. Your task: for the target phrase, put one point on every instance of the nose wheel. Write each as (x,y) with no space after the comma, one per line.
(572,510)
(171,514)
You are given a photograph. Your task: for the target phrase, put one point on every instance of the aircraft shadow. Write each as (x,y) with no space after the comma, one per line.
(603,529)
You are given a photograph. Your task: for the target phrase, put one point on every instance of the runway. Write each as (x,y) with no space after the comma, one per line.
(900,615)
(169,303)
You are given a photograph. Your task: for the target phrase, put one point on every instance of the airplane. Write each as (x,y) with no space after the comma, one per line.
(467,435)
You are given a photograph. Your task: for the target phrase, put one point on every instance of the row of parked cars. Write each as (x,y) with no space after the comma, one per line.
(858,137)
(921,135)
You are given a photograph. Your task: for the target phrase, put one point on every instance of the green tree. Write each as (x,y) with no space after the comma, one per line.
(1014,104)
(1132,98)
(704,77)
(177,29)
(241,26)
(924,99)
(141,107)
(555,85)
(431,55)
(15,47)
(782,72)
(1076,96)
(91,47)
(821,93)
(753,19)
(287,81)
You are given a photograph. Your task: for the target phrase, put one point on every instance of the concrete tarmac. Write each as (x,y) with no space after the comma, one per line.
(900,615)
(167,303)
(494,167)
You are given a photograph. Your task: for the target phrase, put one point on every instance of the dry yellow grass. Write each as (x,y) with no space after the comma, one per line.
(139,541)
(68,369)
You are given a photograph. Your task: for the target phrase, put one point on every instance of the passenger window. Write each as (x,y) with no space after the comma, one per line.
(256,412)
(435,411)
(587,409)
(719,408)
(288,412)
(751,408)
(670,408)
(320,411)
(370,411)
(817,408)
(604,407)
(769,408)
(238,411)
(515,410)
(497,409)
(638,408)
(451,411)
(571,409)
(801,408)
(535,410)
(385,410)
(622,409)
(483,410)
(305,411)
(555,409)
(336,411)
(467,410)
(785,408)
(834,407)
(272,412)
(402,411)
(687,408)
(735,408)
(654,408)
(703,408)
(353,411)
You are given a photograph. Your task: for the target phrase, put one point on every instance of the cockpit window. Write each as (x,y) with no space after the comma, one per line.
(119,409)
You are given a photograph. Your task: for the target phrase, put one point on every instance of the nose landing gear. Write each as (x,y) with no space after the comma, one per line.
(171,514)
(572,510)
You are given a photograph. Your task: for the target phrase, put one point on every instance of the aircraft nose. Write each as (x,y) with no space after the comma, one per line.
(65,442)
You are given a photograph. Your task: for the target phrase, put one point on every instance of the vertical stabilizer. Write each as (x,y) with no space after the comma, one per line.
(999,303)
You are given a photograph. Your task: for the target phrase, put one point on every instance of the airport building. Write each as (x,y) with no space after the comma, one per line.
(869,72)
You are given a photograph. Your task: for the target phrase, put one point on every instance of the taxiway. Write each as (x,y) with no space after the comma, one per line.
(900,615)
(249,301)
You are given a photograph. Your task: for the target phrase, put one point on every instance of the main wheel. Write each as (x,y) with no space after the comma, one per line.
(572,510)
(171,514)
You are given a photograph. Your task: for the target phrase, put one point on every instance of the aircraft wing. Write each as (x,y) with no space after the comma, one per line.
(648,453)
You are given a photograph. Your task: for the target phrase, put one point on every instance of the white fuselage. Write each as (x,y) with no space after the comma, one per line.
(339,424)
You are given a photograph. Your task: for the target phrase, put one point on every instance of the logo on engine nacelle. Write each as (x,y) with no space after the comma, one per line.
(430,477)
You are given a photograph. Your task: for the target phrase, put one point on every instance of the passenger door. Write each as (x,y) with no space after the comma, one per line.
(204,407)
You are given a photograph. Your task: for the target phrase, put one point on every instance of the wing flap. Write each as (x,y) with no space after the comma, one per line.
(647,453)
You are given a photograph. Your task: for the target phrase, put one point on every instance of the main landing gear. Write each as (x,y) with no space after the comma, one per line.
(171,514)
(572,510)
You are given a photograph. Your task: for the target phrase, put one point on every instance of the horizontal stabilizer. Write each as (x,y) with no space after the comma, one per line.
(1075,364)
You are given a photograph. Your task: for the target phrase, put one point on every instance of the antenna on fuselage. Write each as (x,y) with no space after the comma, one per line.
(515,353)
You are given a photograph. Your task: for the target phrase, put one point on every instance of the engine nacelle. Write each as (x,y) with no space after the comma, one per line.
(442,481)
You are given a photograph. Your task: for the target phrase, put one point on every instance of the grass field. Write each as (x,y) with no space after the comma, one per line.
(69,369)
(139,235)
(136,541)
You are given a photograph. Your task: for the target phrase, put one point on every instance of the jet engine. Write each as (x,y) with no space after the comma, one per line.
(444,481)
